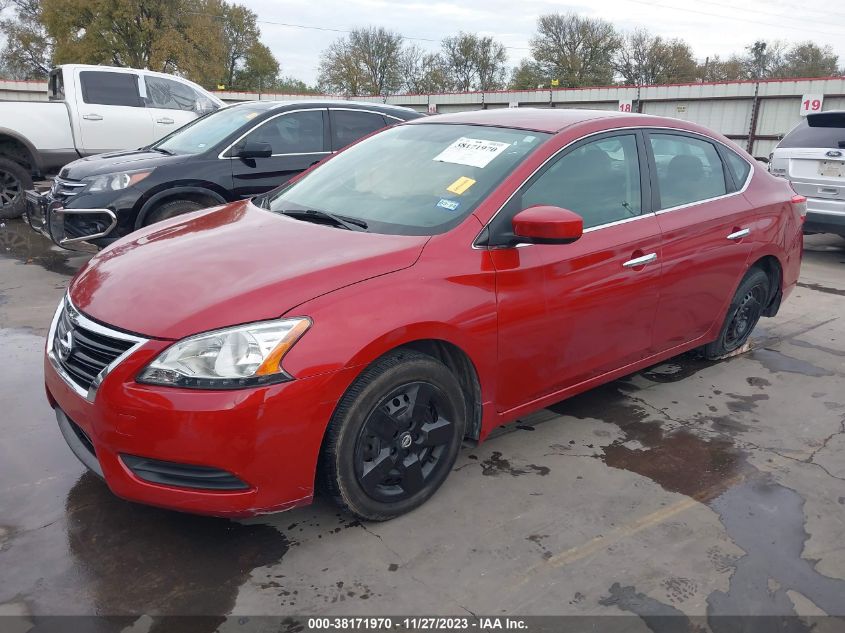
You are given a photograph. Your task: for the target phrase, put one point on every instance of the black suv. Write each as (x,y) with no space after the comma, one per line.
(236,152)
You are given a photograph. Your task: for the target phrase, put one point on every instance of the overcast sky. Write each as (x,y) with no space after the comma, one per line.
(710,26)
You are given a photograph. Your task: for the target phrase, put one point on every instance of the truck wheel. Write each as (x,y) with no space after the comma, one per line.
(171,209)
(14,180)
(394,436)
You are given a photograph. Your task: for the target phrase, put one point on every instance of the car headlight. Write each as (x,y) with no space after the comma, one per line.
(115,182)
(232,358)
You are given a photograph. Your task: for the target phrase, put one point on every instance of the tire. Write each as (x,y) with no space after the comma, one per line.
(745,310)
(14,181)
(394,436)
(171,209)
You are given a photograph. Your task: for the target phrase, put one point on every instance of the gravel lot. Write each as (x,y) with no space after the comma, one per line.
(689,489)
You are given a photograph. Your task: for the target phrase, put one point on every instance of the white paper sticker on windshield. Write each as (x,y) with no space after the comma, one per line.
(471,151)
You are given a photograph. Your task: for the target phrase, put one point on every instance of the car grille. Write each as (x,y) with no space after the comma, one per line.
(83,352)
(63,189)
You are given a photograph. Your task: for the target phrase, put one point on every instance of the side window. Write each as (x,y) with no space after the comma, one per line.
(294,133)
(600,181)
(348,126)
(106,88)
(688,169)
(169,94)
(739,168)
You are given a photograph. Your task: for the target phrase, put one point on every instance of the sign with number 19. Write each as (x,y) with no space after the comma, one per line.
(811,103)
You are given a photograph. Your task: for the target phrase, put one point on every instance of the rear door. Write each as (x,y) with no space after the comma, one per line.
(706,226)
(299,138)
(111,111)
(349,125)
(171,104)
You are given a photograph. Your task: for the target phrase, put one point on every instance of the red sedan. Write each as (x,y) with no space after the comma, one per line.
(426,285)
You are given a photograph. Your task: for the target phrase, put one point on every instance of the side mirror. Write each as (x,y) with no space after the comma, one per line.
(254,149)
(204,106)
(547,225)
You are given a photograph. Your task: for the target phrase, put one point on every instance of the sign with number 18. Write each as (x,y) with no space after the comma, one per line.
(811,104)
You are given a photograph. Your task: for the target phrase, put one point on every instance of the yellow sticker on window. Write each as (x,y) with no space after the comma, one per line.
(460,185)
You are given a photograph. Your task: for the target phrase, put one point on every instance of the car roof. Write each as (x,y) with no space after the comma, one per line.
(535,119)
(327,103)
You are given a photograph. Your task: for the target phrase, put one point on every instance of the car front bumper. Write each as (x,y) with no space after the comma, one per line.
(266,439)
(48,217)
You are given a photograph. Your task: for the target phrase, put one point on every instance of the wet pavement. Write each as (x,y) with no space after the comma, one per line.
(694,489)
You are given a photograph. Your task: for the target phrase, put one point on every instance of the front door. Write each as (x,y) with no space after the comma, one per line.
(707,239)
(298,140)
(170,104)
(568,313)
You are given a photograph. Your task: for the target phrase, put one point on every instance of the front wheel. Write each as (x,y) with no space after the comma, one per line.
(394,437)
(14,181)
(745,311)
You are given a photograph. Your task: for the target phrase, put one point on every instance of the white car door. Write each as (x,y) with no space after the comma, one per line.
(111,112)
(171,104)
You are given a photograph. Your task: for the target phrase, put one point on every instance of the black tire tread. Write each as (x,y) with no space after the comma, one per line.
(715,350)
(23,175)
(165,210)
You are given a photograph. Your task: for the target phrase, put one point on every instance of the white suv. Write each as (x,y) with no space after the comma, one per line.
(812,158)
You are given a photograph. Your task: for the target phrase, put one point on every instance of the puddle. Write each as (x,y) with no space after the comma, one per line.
(777,362)
(821,288)
(679,368)
(762,517)
(174,563)
(19,242)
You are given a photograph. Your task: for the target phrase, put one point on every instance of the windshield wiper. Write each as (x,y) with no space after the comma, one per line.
(161,150)
(353,224)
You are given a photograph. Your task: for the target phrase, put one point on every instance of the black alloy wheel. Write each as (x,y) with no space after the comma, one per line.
(403,441)
(14,181)
(393,437)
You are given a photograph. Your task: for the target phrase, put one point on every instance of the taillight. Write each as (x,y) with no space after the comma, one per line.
(799,203)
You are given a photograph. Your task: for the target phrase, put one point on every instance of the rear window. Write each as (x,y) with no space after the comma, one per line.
(109,88)
(739,168)
(825,129)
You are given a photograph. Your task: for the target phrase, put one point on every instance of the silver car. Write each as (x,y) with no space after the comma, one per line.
(812,158)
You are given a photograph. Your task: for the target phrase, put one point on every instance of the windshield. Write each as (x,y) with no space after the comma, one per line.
(412,180)
(207,131)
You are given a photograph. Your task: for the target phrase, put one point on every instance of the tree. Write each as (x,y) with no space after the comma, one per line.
(474,62)
(27,52)
(527,75)
(807,59)
(764,60)
(578,51)
(364,62)
(716,69)
(422,72)
(646,59)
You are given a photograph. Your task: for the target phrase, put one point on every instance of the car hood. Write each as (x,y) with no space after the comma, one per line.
(114,162)
(225,266)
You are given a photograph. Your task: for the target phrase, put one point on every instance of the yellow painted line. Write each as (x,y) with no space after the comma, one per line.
(601,542)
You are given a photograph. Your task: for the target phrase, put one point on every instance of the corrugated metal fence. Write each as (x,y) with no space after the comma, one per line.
(755,114)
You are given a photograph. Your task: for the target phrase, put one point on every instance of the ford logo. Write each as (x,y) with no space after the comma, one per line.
(834,153)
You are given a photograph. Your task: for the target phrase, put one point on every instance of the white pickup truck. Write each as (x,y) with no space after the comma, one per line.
(91,110)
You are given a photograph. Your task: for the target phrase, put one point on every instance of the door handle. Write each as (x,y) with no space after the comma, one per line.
(738,235)
(641,261)
(92,117)
(165,121)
